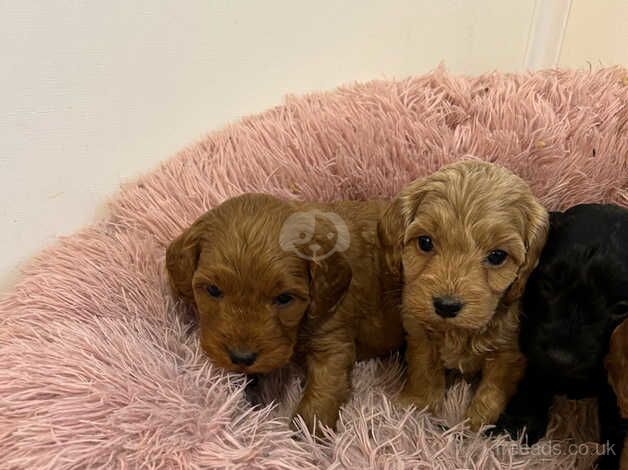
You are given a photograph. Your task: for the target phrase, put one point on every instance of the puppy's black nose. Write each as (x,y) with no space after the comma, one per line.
(561,357)
(242,357)
(446,306)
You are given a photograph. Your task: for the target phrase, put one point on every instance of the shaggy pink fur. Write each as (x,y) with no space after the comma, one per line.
(101,367)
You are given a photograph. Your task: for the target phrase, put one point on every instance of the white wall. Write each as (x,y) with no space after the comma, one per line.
(596,34)
(94,93)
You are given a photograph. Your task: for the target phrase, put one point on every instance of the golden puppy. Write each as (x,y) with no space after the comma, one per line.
(275,280)
(467,237)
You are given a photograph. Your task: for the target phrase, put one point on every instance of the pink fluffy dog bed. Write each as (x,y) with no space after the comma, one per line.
(100,367)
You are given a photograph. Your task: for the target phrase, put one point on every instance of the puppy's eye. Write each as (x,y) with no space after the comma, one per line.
(214,291)
(425,243)
(620,309)
(496,257)
(283,299)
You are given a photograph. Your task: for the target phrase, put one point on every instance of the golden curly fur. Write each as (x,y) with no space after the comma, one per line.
(448,228)
(277,280)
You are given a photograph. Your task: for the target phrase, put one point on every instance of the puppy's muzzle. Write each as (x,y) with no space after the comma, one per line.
(242,357)
(447,306)
(561,358)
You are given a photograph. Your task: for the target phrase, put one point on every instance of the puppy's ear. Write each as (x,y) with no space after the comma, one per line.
(182,258)
(330,279)
(537,226)
(392,223)
(396,219)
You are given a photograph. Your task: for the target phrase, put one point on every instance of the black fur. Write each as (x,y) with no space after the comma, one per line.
(574,299)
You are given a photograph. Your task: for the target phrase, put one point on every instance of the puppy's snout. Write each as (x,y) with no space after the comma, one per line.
(561,357)
(447,306)
(242,357)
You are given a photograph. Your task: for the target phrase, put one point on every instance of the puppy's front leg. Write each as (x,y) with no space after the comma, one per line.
(328,382)
(529,409)
(501,373)
(425,382)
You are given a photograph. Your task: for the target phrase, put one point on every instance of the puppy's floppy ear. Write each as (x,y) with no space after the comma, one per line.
(391,225)
(182,258)
(535,236)
(330,279)
(396,219)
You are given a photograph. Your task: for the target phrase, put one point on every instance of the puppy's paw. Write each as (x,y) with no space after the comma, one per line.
(479,413)
(315,418)
(485,408)
(475,420)
(433,401)
(515,425)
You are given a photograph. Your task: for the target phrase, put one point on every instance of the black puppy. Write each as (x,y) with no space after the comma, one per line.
(573,300)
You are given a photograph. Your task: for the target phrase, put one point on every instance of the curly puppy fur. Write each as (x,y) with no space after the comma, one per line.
(277,280)
(573,301)
(472,214)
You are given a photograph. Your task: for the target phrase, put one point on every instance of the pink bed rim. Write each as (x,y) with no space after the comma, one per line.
(100,367)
